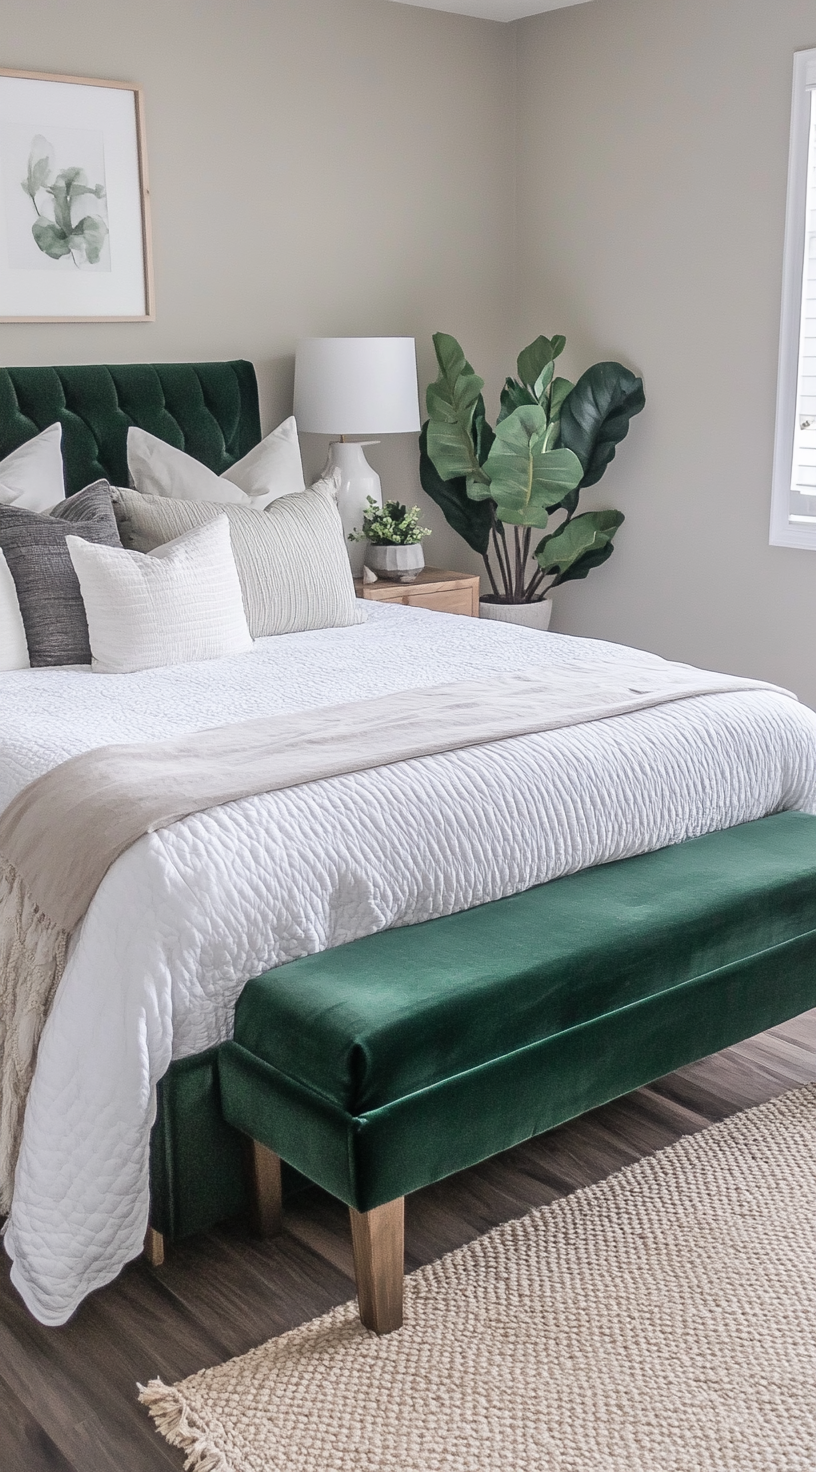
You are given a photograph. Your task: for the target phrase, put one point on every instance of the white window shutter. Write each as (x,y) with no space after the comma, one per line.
(803,478)
(793,510)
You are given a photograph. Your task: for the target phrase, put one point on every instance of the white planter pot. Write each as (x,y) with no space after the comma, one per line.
(531,615)
(397,564)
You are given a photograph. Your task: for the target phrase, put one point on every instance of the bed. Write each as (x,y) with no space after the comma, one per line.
(189,914)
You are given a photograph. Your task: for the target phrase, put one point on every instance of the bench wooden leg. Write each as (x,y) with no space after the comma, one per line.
(378,1239)
(154,1247)
(267,1202)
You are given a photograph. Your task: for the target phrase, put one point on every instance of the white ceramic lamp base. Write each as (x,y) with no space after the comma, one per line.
(357,482)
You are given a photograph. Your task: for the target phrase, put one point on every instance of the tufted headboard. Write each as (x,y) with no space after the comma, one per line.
(208,409)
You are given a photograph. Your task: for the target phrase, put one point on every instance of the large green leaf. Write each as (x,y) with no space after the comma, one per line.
(578,545)
(514,395)
(450,356)
(452,402)
(542,383)
(471,519)
(595,416)
(450,431)
(584,565)
(483,435)
(525,481)
(570,502)
(534,359)
(478,487)
(561,387)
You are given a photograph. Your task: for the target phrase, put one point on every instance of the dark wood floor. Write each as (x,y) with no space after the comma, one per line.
(68,1396)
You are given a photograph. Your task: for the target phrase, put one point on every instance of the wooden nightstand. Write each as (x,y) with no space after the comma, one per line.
(444,592)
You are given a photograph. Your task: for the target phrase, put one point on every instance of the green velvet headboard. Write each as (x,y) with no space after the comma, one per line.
(208,409)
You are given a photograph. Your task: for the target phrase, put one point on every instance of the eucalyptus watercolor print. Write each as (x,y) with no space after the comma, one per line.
(61,229)
(74,200)
(55,199)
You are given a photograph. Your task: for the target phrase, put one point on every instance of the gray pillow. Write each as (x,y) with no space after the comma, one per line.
(291,558)
(93,504)
(47,587)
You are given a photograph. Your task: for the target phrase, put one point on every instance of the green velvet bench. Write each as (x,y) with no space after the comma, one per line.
(384,1065)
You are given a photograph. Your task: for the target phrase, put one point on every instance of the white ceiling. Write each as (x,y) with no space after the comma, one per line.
(494,9)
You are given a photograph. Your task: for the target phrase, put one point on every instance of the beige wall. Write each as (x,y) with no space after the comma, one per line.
(317,167)
(346,166)
(653,139)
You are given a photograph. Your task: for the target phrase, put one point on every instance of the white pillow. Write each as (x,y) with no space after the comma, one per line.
(13,646)
(179,603)
(271,470)
(31,477)
(291,559)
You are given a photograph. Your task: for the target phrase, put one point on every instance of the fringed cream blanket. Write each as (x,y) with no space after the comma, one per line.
(60,835)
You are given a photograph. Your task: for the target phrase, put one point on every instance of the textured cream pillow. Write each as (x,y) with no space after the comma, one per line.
(180,603)
(31,476)
(13,646)
(272,469)
(291,558)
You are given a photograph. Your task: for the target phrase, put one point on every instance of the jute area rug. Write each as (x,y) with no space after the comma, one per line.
(662,1321)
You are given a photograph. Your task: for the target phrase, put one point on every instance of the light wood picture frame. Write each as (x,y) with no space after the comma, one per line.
(75,229)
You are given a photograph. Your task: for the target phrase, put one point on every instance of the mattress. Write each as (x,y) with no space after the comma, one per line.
(189,914)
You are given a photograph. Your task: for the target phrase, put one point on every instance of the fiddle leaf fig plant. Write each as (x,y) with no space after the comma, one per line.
(552,439)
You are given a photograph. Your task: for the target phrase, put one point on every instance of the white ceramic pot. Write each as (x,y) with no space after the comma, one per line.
(531,615)
(397,564)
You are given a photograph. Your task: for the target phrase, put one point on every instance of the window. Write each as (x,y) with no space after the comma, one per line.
(793,508)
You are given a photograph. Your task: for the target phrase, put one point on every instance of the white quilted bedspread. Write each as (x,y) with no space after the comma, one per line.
(188,914)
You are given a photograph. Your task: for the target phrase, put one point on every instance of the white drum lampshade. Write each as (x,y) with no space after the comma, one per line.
(361,386)
(356,385)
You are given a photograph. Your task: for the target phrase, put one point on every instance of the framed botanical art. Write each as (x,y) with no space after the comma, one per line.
(74,201)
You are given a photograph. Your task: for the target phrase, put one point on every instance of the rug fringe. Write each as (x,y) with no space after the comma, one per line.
(178,1423)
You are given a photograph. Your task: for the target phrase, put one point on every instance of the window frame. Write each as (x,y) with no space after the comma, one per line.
(784,532)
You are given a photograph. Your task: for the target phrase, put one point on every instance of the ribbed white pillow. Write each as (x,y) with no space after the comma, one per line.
(179,603)
(13,646)
(291,558)
(272,469)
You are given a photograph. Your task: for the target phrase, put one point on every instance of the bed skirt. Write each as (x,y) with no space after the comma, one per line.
(197,1161)
(199,1168)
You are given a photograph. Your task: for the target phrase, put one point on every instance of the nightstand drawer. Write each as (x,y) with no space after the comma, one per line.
(458,600)
(434,588)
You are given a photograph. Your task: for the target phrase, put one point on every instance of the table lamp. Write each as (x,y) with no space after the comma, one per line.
(356,385)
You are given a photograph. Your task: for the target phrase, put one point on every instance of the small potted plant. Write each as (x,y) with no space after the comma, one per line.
(552,440)
(395,537)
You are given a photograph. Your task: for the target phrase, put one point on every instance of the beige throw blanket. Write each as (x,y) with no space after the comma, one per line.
(61,834)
